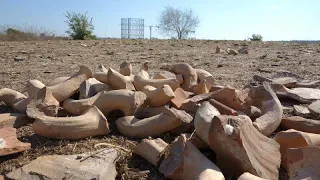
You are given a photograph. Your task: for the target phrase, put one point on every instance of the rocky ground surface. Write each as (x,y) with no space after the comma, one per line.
(46,60)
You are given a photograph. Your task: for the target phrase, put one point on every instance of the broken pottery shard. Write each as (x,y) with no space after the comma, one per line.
(191,105)
(265,99)
(248,176)
(244,148)
(164,75)
(42,100)
(67,88)
(228,96)
(150,149)
(180,96)
(57,80)
(261,78)
(223,109)
(314,108)
(205,75)
(203,118)
(301,124)
(303,95)
(9,144)
(152,126)
(288,82)
(294,139)
(184,161)
(189,74)
(202,88)
(302,111)
(253,112)
(91,87)
(15,120)
(125,68)
(145,112)
(196,141)
(91,123)
(80,166)
(312,84)
(304,163)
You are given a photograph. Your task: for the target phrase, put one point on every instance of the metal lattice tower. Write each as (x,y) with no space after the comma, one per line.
(132,28)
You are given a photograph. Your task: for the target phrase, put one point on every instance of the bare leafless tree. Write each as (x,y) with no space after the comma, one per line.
(177,21)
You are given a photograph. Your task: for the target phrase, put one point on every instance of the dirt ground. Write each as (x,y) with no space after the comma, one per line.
(46,60)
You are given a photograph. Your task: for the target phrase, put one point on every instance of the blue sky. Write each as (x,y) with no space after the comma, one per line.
(219,19)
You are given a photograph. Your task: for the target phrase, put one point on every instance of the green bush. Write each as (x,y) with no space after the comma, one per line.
(256,37)
(80,27)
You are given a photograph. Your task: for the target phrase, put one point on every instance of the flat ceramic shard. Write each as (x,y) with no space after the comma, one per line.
(9,144)
(303,95)
(302,111)
(314,108)
(99,166)
(15,120)
(288,82)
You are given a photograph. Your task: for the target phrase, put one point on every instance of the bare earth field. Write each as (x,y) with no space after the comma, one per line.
(46,60)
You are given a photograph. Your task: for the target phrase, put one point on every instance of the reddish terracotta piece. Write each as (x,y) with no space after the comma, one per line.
(301,124)
(295,139)
(15,120)
(223,109)
(314,108)
(10,144)
(180,96)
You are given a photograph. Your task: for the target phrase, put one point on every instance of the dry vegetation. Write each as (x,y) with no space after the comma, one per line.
(46,60)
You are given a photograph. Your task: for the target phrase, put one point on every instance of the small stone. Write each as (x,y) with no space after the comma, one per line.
(287,110)
(220,65)
(101,165)
(232,51)
(244,50)
(218,50)
(263,56)
(83,45)
(10,144)
(302,111)
(314,108)
(19,58)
